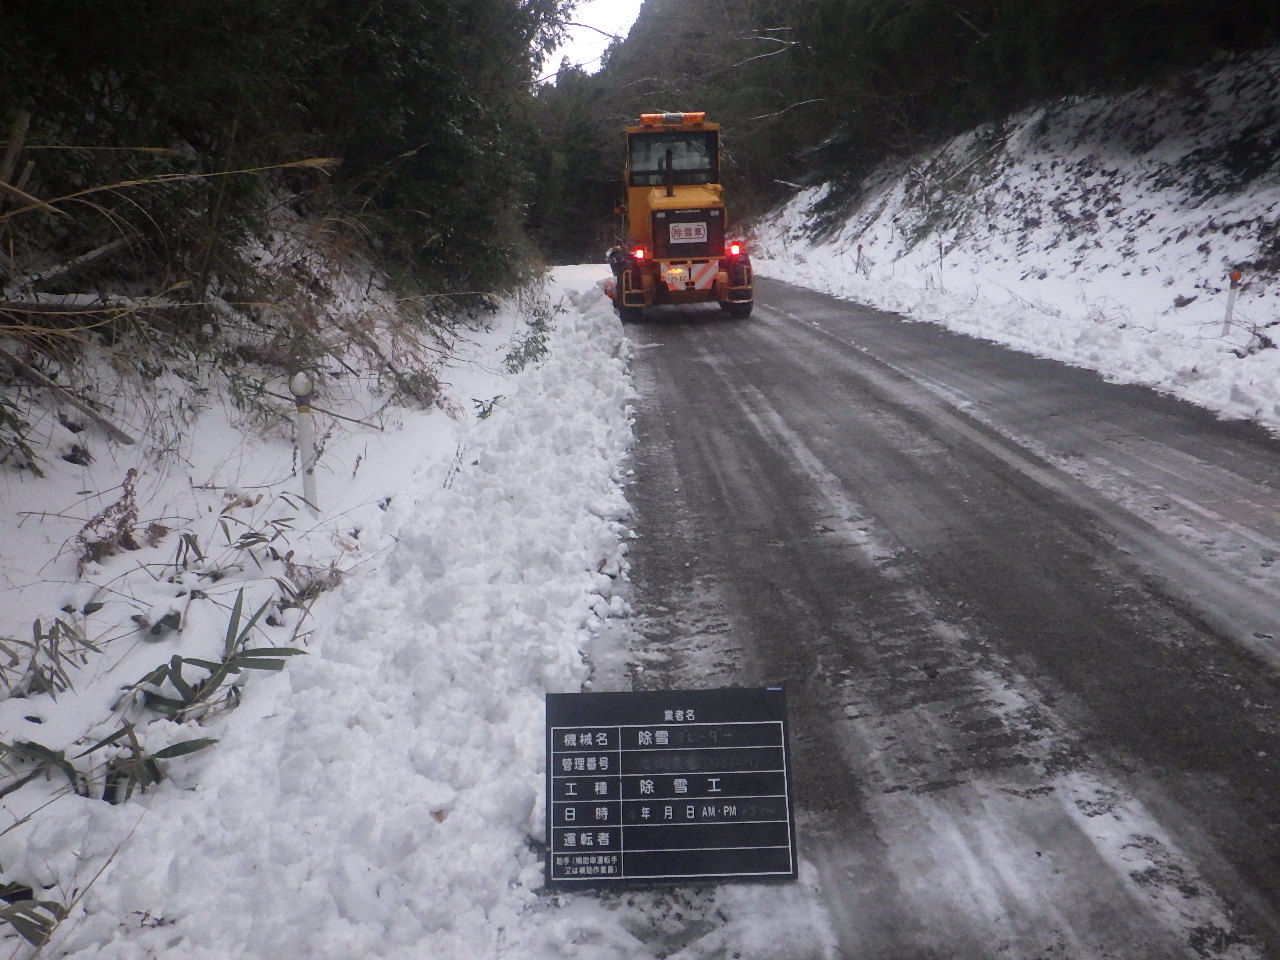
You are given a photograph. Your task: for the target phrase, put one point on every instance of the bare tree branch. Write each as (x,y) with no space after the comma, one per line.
(788,43)
(778,113)
(587,26)
(37,377)
(106,250)
(969,23)
(759,56)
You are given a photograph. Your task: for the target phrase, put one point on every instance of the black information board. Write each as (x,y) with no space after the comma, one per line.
(668,785)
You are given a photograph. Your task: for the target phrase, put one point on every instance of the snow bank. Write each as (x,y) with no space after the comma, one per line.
(1097,231)
(381,796)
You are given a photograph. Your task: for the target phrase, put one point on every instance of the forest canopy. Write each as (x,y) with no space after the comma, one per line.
(450,156)
(816,89)
(421,105)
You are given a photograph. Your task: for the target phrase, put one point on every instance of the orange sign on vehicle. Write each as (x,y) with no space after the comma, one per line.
(658,119)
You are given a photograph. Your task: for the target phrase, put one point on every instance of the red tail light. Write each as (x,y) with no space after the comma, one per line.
(638,253)
(735,249)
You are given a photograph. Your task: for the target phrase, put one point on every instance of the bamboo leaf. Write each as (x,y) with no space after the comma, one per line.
(212,682)
(233,625)
(183,748)
(155,677)
(244,634)
(163,704)
(104,743)
(30,750)
(40,754)
(33,920)
(273,652)
(175,676)
(19,784)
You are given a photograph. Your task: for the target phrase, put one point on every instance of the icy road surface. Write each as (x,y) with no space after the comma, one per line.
(1027,621)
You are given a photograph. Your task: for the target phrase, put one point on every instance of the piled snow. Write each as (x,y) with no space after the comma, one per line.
(1098,231)
(381,792)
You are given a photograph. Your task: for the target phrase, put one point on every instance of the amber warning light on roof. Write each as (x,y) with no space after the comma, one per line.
(658,119)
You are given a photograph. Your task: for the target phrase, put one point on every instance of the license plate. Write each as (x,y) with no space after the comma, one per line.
(689,232)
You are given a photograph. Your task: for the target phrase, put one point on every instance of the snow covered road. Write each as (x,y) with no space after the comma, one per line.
(1026,618)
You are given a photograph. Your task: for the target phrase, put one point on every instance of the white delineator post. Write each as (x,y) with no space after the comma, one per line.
(301,385)
(1231,300)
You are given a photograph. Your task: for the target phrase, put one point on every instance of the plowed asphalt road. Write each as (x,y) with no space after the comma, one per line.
(1028,621)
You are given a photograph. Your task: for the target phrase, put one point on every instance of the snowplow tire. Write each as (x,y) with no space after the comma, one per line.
(739,311)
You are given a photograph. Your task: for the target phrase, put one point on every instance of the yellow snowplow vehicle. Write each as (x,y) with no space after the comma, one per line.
(678,247)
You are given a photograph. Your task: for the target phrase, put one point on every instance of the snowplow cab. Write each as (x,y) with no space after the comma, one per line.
(679,248)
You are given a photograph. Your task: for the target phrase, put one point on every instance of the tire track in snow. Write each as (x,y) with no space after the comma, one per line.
(968,810)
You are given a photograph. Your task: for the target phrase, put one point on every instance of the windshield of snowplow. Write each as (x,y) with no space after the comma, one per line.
(694,158)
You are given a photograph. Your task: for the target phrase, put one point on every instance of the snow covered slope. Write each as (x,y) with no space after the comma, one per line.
(1098,231)
(380,793)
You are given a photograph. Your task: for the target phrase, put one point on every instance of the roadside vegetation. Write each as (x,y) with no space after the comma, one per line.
(197,200)
(153,151)
(181,184)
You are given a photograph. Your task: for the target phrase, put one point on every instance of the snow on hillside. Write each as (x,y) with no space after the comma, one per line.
(1097,231)
(381,789)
